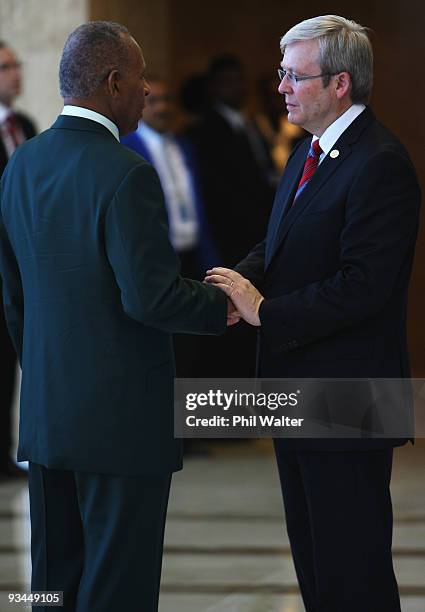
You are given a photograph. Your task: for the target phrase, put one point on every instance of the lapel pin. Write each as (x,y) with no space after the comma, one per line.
(334,153)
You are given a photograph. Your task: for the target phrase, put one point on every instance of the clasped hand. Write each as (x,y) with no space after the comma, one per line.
(244,298)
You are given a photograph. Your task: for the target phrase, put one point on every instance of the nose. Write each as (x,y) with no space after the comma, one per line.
(285,85)
(147,87)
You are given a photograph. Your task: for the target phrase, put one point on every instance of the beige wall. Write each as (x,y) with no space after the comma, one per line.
(37,30)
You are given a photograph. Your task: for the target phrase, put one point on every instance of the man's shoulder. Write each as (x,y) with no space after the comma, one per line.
(378,149)
(93,157)
(378,138)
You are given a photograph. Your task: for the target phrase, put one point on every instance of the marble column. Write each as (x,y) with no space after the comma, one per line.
(37,30)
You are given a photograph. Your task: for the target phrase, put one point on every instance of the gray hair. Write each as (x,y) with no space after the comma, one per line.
(90,53)
(344,47)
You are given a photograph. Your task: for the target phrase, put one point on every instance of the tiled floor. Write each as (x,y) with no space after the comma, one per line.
(226,548)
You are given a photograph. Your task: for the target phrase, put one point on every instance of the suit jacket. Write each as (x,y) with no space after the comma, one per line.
(92,293)
(335,267)
(208,255)
(237,194)
(29,130)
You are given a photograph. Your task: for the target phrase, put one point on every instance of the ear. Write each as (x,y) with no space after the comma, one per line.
(113,83)
(343,84)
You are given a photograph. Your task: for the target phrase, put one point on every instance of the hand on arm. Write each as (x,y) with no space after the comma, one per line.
(244,296)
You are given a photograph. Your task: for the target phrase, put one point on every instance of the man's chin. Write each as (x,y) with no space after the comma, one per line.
(292,118)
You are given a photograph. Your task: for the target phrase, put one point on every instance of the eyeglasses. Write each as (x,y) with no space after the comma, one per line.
(10,66)
(294,78)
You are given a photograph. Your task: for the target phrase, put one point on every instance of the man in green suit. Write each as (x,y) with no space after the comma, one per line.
(92,294)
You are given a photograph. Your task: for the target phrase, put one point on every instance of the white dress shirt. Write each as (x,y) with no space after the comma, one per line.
(87,113)
(176,182)
(334,131)
(233,117)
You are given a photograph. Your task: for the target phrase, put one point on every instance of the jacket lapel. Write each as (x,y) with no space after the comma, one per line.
(323,173)
(284,196)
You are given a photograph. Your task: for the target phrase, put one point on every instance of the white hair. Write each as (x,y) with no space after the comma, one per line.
(344,46)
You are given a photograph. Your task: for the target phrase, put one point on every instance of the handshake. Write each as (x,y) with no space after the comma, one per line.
(243,298)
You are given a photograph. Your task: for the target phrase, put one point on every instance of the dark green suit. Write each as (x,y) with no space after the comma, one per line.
(92,294)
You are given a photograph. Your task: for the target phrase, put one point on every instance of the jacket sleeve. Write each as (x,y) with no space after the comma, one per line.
(377,240)
(13,296)
(146,267)
(252,266)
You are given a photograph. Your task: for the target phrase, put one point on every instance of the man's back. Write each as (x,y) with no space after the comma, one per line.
(97,359)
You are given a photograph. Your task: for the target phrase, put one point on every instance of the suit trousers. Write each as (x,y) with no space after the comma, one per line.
(339,522)
(98,538)
(8,365)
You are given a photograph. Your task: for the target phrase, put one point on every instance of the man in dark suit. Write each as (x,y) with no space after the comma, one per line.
(328,290)
(15,128)
(236,180)
(92,293)
(235,166)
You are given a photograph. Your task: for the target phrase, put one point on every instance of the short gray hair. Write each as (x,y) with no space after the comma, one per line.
(344,47)
(90,53)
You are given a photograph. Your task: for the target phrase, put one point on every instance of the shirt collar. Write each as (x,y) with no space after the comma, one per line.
(5,111)
(87,113)
(334,131)
(232,116)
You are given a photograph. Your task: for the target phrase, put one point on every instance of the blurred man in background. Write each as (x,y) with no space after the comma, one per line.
(234,162)
(15,128)
(172,157)
(237,180)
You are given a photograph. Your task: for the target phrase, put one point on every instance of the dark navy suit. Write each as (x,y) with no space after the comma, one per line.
(334,270)
(92,294)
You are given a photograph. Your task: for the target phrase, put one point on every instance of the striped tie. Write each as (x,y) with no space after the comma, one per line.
(310,166)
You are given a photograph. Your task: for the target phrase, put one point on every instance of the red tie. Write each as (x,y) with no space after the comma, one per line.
(12,128)
(310,166)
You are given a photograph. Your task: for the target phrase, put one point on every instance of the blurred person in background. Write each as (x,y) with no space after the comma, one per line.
(15,128)
(236,178)
(234,161)
(193,98)
(173,158)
